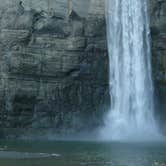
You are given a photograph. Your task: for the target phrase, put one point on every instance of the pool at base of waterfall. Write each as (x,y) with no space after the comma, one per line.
(79,153)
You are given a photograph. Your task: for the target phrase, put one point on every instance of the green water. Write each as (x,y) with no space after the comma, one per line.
(82,153)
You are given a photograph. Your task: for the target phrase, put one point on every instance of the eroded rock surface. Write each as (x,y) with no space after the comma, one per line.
(53,69)
(158,33)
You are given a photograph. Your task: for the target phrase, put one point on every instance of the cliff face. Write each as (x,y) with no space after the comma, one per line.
(158,33)
(54,68)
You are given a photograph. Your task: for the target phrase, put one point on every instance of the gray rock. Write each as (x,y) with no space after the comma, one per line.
(49,79)
(158,31)
(54,71)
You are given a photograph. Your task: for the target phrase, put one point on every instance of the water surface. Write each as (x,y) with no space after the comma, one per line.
(75,153)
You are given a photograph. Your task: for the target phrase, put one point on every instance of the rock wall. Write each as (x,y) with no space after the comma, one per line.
(158,33)
(53,67)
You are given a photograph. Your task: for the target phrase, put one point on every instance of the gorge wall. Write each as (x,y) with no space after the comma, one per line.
(54,67)
(158,34)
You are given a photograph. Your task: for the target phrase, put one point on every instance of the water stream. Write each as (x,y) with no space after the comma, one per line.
(131,114)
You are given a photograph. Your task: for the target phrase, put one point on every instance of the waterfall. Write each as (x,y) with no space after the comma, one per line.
(131,115)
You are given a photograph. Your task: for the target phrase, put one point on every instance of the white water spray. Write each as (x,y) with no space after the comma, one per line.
(131,87)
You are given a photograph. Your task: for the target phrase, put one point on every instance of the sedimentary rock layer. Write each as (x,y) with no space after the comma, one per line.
(54,66)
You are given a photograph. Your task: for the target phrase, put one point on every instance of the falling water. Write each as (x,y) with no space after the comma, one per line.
(131,87)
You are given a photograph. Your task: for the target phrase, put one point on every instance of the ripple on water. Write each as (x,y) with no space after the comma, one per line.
(25,155)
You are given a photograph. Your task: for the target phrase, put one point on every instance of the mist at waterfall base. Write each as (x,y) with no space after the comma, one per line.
(131,116)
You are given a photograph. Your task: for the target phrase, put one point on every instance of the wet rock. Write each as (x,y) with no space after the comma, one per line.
(158,31)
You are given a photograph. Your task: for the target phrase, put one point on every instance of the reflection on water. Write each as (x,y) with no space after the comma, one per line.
(44,153)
